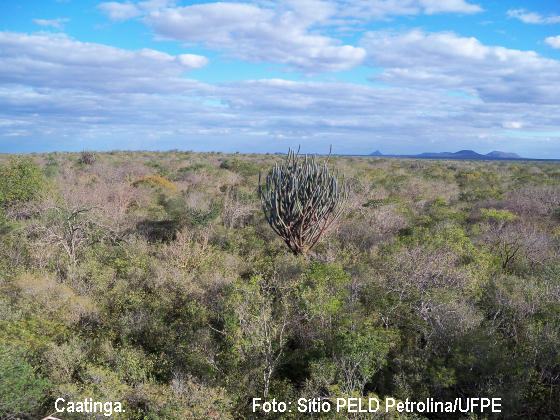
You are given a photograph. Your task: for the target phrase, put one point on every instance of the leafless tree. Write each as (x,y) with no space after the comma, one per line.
(535,201)
(68,228)
(235,212)
(413,274)
(263,320)
(511,241)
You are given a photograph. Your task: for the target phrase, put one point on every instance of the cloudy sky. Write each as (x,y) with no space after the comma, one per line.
(401,76)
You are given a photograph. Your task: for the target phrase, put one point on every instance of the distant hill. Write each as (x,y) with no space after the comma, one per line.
(461,154)
(503,155)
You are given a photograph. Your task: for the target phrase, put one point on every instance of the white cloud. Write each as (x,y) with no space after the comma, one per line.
(526,16)
(67,93)
(56,60)
(53,23)
(382,9)
(448,61)
(120,11)
(192,60)
(553,41)
(268,112)
(448,6)
(514,125)
(281,35)
(289,32)
(357,9)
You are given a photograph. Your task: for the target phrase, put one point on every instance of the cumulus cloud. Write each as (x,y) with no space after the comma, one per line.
(267,112)
(514,125)
(250,32)
(289,32)
(62,90)
(57,60)
(447,61)
(52,23)
(120,11)
(382,9)
(553,41)
(526,16)
(448,6)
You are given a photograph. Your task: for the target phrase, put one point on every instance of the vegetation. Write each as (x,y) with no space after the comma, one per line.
(154,279)
(20,180)
(87,158)
(301,200)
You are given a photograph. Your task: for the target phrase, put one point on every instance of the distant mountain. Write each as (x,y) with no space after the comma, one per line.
(503,155)
(461,154)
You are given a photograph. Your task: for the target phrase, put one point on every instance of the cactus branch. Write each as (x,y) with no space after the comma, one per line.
(301,199)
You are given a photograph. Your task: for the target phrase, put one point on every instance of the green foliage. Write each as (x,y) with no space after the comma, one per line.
(242,167)
(161,170)
(323,290)
(497,215)
(167,309)
(478,185)
(5,225)
(33,333)
(20,180)
(21,388)
(178,210)
(376,203)
(51,167)
(360,353)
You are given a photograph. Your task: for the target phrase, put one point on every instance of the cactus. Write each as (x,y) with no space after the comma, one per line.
(87,158)
(301,199)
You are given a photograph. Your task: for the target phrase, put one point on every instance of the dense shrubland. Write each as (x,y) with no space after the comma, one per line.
(155,280)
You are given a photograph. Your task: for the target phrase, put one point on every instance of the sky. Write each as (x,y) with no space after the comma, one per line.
(399,76)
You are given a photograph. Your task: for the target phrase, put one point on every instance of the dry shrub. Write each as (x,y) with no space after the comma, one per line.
(416,276)
(196,178)
(64,359)
(421,189)
(534,201)
(194,265)
(519,297)
(87,158)
(210,180)
(82,213)
(420,269)
(374,227)
(450,321)
(53,299)
(355,204)
(185,398)
(379,193)
(235,212)
(519,240)
(198,200)
(230,179)
(111,202)
(121,171)
(388,220)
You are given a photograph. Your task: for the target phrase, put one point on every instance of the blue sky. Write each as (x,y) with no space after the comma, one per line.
(401,76)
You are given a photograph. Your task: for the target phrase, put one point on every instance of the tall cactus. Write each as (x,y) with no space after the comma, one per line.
(301,199)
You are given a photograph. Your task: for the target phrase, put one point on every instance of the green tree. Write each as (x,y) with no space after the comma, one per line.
(21,388)
(20,180)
